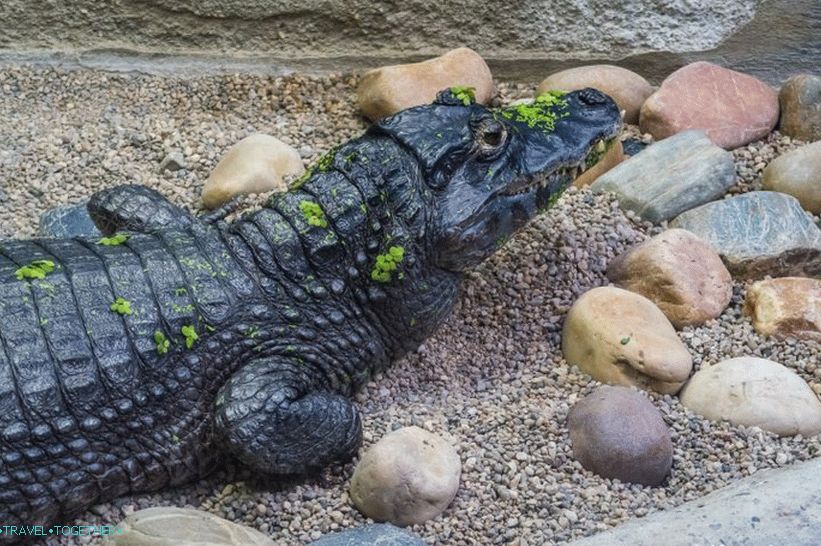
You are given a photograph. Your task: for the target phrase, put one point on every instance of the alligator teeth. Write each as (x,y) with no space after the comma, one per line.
(600,146)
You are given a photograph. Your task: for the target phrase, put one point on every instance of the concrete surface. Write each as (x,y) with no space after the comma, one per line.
(770,38)
(771,507)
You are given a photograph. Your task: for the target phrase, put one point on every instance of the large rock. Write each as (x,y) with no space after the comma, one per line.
(378,534)
(754,392)
(758,233)
(678,272)
(622,338)
(786,307)
(627,88)
(389,89)
(169,526)
(798,173)
(670,177)
(800,100)
(733,108)
(255,164)
(773,506)
(69,221)
(407,477)
(618,433)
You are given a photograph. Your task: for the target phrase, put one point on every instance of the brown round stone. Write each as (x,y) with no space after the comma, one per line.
(618,433)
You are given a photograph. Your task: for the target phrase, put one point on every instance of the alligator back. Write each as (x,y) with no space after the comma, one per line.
(93,402)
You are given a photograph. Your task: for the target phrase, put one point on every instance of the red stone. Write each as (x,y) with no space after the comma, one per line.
(732,108)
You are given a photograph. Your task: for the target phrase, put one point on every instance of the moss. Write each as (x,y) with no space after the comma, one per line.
(121,306)
(114,240)
(465,94)
(181,291)
(313,213)
(190,335)
(387,263)
(252,332)
(625,340)
(543,112)
(38,269)
(162,342)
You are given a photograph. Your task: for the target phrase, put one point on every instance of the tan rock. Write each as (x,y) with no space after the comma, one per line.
(389,89)
(627,88)
(171,526)
(800,100)
(680,273)
(786,307)
(407,477)
(732,108)
(754,392)
(797,173)
(612,157)
(255,164)
(622,338)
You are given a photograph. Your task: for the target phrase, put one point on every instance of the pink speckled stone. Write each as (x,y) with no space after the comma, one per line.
(731,107)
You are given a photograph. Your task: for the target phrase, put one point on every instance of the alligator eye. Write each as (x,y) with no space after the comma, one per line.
(492,135)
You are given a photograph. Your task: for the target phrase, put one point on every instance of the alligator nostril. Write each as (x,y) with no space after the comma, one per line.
(592,96)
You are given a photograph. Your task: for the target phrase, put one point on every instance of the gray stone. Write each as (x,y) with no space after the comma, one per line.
(671,176)
(780,506)
(70,221)
(758,233)
(379,534)
(170,526)
(173,161)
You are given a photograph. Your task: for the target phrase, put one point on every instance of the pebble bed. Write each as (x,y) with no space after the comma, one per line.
(493,379)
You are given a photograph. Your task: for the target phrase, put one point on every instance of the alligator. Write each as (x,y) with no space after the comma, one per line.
(140,360)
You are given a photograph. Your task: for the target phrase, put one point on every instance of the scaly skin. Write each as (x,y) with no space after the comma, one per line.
(294,306)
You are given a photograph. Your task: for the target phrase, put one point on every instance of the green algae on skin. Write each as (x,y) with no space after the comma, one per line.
(38,269)
(542,112)
(162,342)
(121,306)
(190,335)
(465,94)
(387,263)
(313,214)
(114,240)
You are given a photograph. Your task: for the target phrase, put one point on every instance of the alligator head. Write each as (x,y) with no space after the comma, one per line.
(490,171)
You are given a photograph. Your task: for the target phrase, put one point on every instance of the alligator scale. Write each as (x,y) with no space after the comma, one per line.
(134,362)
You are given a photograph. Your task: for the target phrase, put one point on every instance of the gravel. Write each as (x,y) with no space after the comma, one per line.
(492,380)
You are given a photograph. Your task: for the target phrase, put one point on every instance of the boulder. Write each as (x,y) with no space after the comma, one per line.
(754,392)
(378,534)
(797,173)
(800,100)
(627,88)
(732,108)
(758,233)
(255,164)
(618,433)
(622,338)
(69,221)
(678,272)
(387,90)
(612,157)
(760,509)
(786,307)
(407,477)
(670,177)
(170,526)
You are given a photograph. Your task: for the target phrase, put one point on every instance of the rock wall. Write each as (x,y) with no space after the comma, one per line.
(359,33)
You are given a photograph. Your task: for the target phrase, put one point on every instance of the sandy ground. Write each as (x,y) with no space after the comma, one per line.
(493,379)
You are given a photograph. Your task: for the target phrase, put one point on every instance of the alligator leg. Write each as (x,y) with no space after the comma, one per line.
(135,208)
(271,417)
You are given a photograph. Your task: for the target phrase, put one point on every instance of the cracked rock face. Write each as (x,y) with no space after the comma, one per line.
(622,338)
